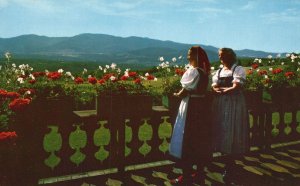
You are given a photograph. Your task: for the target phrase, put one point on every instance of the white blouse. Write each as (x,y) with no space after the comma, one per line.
(190,78)
(239,75)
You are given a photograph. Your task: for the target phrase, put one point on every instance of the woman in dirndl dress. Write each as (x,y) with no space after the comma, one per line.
(190,142)
(231,124)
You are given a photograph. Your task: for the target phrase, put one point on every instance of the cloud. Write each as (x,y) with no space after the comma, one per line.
(3,3)
(249,6)
(286,16)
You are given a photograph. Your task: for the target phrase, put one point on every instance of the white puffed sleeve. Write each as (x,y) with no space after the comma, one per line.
(215,78)
(190,79)
(239,75)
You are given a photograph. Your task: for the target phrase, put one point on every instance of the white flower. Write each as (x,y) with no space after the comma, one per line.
(100,68)
(176,66)
(13,65)
(7,55)
(270,56)
(84,71)
(107,66)
(282,63)
(212,68)
(147,74)
(155,79)
(113,65)
(0,67)
(68,74)
(298,69)
(112,78)
(20,80)
(72,77)
(126,73)
(46,72)
(60,71)
(167,62)
(256,60)
(287,55)
(259,61)
(89,76)
(266,77)
(180,57)
(168,69)
(278,55)
(161,59)
(270,69)
(104,70)
(27,92)
(174,59)
(31,76)
(119,71)
(257,70)
(221,66)
(293,57)
(22,66)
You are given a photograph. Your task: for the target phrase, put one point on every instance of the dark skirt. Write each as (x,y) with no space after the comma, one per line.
(197,139)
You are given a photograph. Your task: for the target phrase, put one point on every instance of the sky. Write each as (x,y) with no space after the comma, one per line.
(266,25)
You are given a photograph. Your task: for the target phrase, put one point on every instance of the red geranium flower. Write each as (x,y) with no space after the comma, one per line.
(263,72)
(107,76)
(38,74)
(137,81)
(150,77)
(132,74)
(3,93)
(32,81)
(78,80)
(4,136)
(124,78)
(277,71)
(92,80)
(179,71)
(12,95)
(254,66)
(54,75)
(19,104)
(101,81)
(289,74)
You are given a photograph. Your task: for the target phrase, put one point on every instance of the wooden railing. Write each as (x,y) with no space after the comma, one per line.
(59,141)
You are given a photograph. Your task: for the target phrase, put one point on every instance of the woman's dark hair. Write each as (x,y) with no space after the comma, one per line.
(201,58)
(230,53)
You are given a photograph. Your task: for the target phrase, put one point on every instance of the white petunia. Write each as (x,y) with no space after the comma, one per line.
(155,79)
(161,59)
(287,55)
(68,74)
(107,66)
(100,68)
(212,68)
(221,66)
(84,71)
(266,77)
(174,59)
(147,74)
(27,92)
(13,65)
(20,80)
(113,65)
(282,63)
(270,69)
(259,61)
(60,70)
(112,78)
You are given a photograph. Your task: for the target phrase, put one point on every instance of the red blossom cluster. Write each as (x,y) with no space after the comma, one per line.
(263,72)
(150,77)
(54,75)
(8,136)
(92,80)
(19,104)
(289,75)
(254,66)
(78,80)
(179,71)
(38,74)
(277,71)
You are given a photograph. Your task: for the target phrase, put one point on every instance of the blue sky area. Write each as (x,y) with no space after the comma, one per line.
(268,25)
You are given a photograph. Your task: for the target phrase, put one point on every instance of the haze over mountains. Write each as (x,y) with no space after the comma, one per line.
(105,48)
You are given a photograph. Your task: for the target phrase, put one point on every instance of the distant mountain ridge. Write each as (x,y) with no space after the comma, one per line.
(105,48)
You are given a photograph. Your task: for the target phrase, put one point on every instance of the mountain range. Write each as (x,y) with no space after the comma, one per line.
(105,48)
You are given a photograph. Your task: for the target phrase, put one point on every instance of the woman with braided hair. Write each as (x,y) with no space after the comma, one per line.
(191,140)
